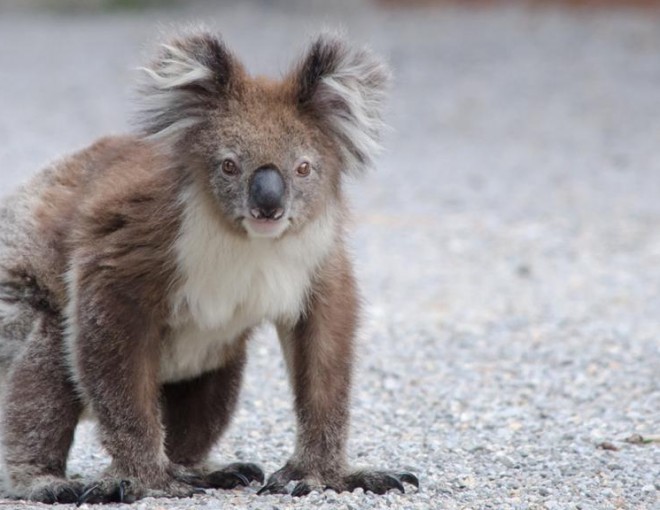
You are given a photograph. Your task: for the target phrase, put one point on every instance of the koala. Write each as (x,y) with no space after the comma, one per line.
(133,273)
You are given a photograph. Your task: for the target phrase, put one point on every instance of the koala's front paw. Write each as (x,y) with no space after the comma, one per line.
(378,482)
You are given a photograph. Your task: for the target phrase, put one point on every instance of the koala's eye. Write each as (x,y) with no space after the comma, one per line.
(303,169)
(229,167)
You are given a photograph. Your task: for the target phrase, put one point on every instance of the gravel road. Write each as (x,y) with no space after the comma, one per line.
(508,245)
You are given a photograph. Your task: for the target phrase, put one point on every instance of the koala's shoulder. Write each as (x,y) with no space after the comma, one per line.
(129,188)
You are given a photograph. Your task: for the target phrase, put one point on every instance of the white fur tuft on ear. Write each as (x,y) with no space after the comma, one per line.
(189,76)
(178,69)
(346,88)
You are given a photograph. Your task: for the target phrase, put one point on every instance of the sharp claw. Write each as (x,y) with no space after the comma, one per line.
(123,485)
(51,495)
(241,478)
(86,494)
(395,483)
(408,477)
(302,489)
(263,490)
(255,473)
(251,471)
(227,479)
(271,488)
(73,495)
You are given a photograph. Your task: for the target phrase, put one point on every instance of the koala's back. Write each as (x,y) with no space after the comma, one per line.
(16,242)
(35,224)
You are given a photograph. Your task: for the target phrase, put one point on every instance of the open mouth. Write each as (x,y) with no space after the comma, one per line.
(265,227)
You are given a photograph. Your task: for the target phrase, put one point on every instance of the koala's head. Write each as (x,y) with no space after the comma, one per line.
(271,154)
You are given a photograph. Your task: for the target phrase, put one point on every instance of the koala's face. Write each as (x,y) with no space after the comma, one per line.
(271,153)
(270,170)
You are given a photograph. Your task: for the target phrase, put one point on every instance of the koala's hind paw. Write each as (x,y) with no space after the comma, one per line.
(52,490)
(123,490)
(380,482)
(231,476)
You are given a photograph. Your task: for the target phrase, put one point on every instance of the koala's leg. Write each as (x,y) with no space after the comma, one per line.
(41,411)
(195,413)
(117,362)
(319,352)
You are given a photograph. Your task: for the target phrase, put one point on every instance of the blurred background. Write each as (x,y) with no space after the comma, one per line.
(508,244)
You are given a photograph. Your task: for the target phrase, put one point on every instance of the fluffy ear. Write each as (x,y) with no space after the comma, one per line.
(345,89)
(188,78)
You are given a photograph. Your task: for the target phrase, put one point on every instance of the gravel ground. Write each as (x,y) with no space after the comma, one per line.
(508,245)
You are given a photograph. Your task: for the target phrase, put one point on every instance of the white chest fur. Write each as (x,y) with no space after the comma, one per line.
(230,284)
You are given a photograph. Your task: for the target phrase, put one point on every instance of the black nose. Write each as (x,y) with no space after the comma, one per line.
(266,194)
